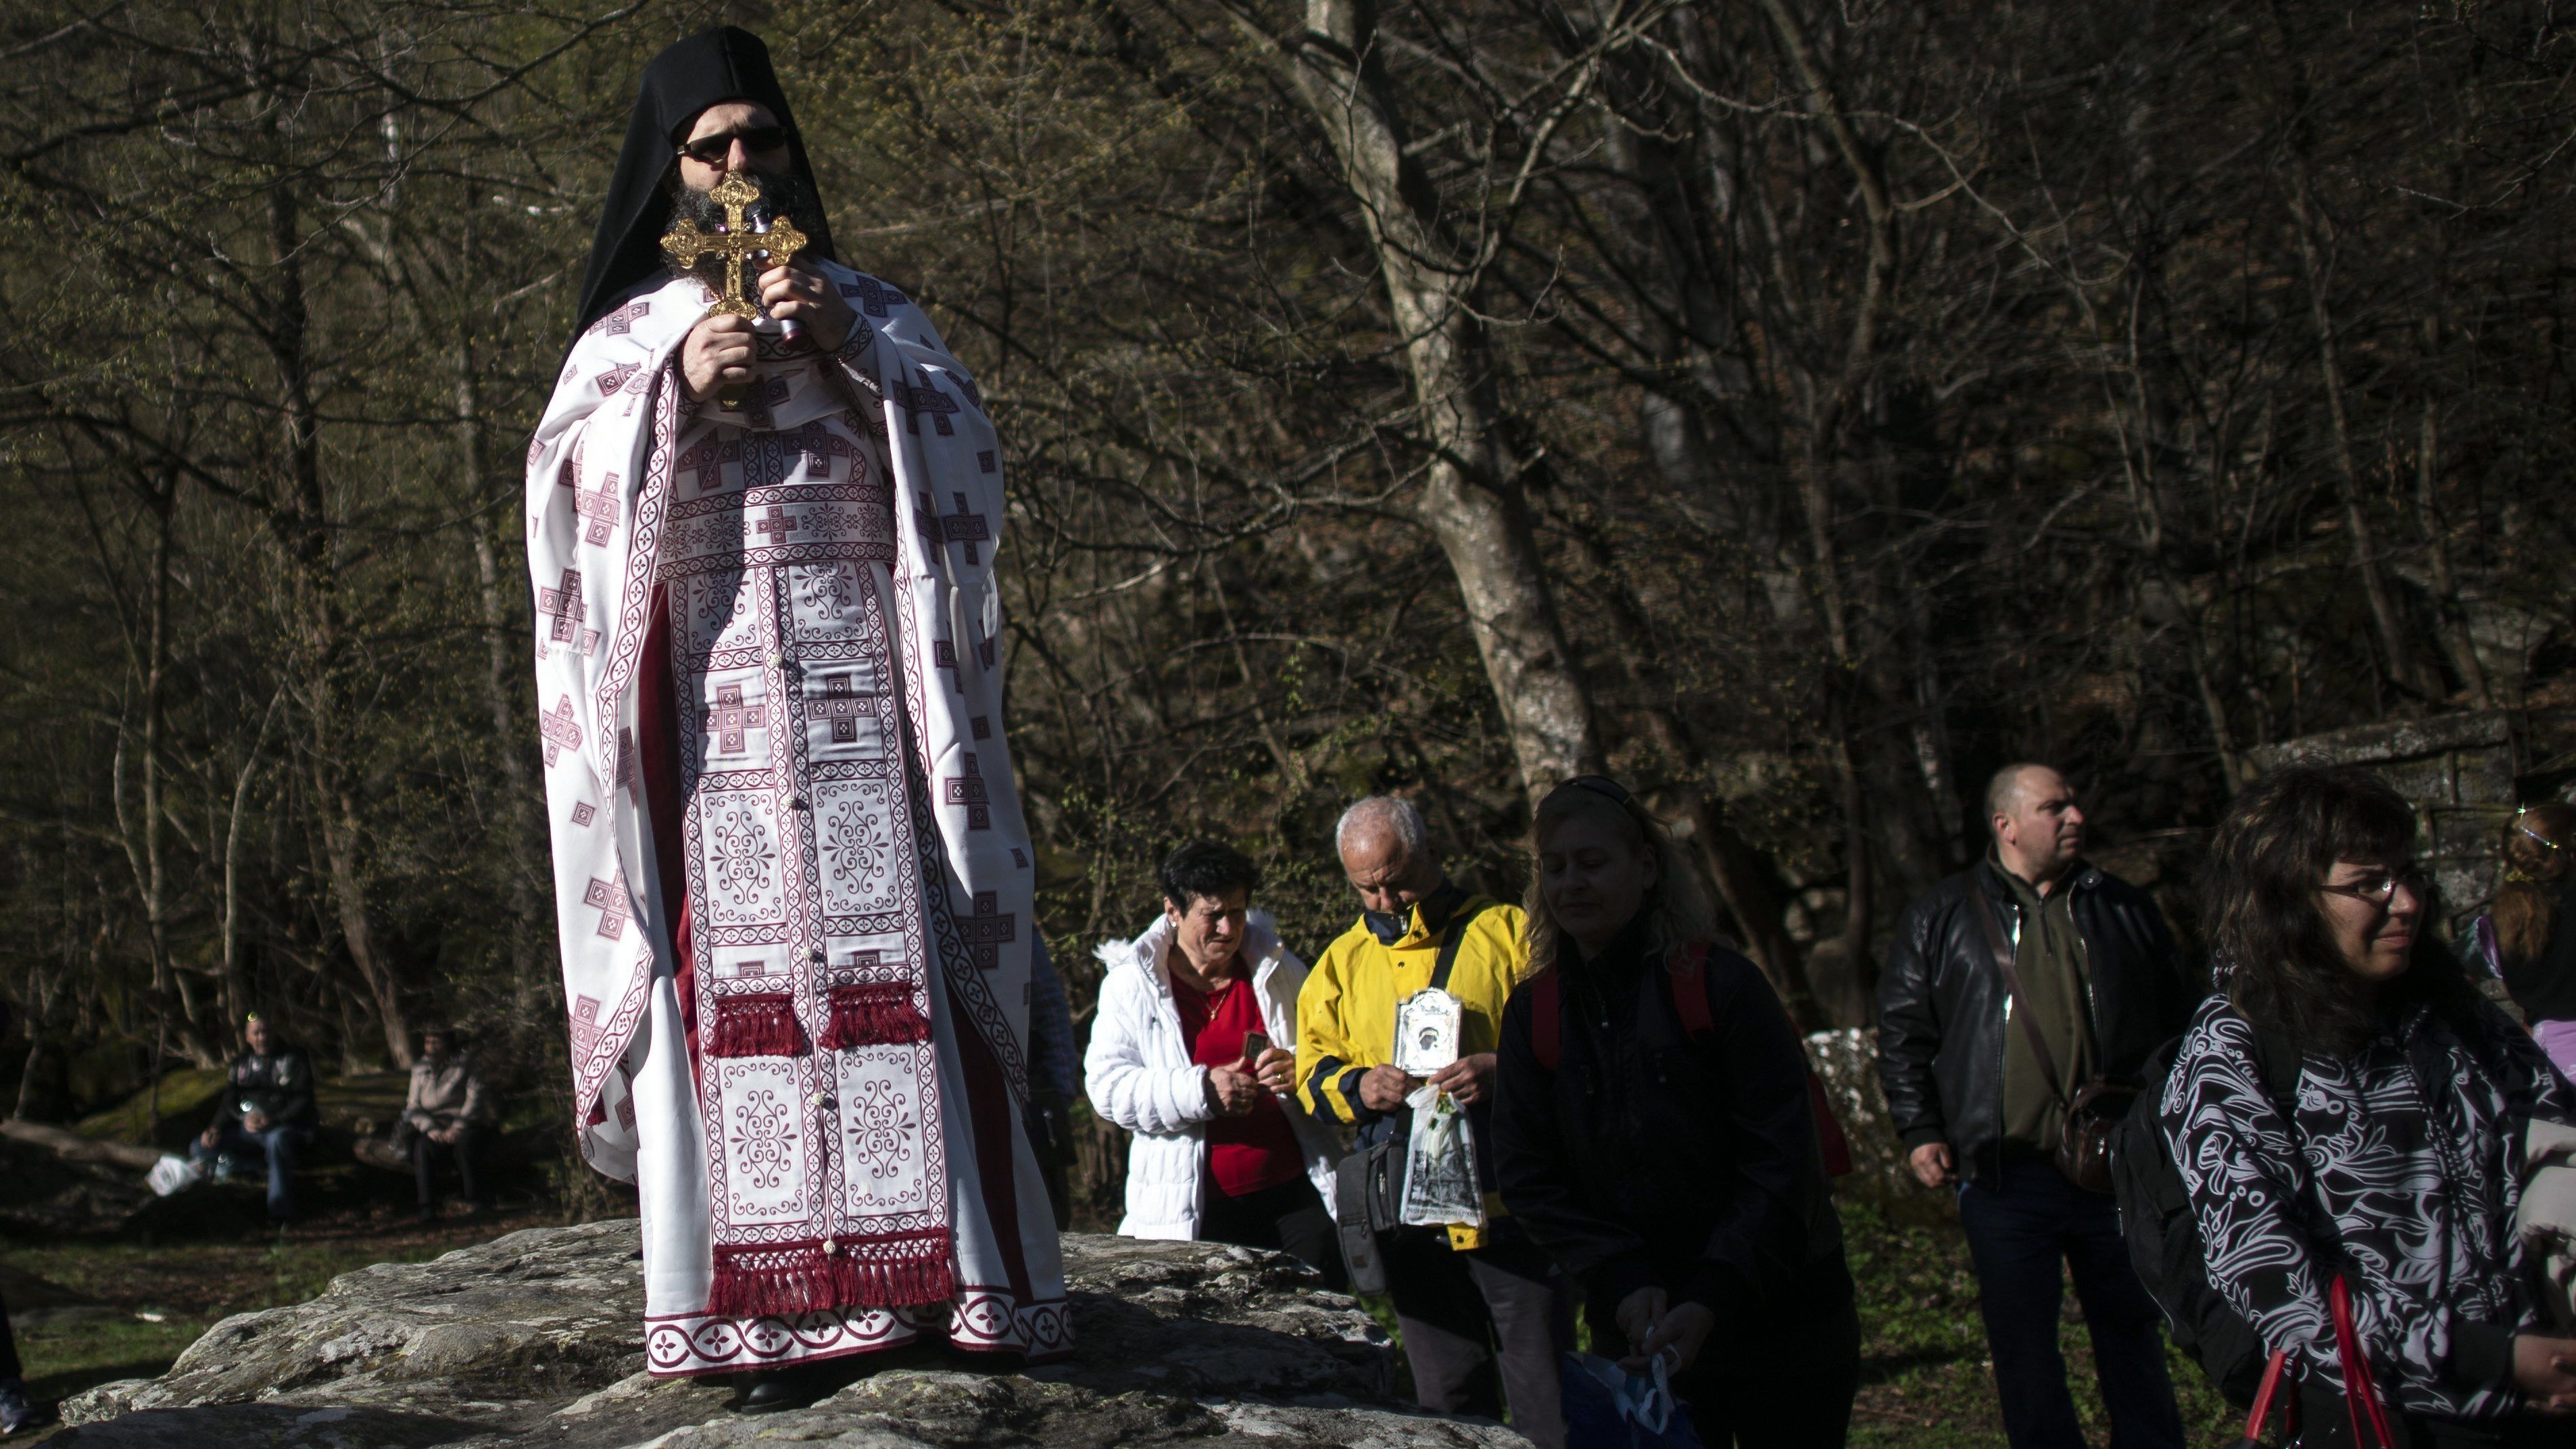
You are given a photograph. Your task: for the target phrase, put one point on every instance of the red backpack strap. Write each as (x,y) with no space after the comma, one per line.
(1547,1025)
(1690,1003)
(1688,975)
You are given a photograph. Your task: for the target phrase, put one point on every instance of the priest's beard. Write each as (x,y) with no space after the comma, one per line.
(790,196)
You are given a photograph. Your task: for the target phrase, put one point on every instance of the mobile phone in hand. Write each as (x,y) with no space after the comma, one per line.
(1254,1044)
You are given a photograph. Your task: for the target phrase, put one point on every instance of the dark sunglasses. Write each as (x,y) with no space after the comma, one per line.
(712,150)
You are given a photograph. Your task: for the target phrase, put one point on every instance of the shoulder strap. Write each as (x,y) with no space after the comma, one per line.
(2003,953)
(1452,938)
(1686,974)
(1547,1019)
(2280,1063)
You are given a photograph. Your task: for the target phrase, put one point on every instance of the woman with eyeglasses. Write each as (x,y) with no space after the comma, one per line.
(2525,940)
(1654,1132)
(2397,1171)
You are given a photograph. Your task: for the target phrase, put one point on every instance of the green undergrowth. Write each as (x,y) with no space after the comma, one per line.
(115,1310)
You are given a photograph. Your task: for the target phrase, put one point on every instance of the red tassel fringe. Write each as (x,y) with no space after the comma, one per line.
(757,1026)
(875,1015)
(795,1278)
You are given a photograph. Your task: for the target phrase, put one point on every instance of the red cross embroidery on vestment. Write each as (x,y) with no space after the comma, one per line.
(873,295)
(776,525)
(729,720)
(610,898)
(561,730)
(562,604)
(925,399)
(985,931)
(968,790)
(820,446)
(623,320)
(965,527)
(842,705)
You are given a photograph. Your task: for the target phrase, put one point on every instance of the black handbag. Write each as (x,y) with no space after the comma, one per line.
(1368,1185)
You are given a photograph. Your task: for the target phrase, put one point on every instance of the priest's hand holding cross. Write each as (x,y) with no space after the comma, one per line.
(719,350)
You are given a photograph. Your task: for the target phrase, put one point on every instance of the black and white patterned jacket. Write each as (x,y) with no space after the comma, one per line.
(2400,1174)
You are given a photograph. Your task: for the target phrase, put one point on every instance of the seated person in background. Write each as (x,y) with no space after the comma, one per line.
(1182,1054)
(266,1110)
(1673,1169)
(2527,939)
(449,1114)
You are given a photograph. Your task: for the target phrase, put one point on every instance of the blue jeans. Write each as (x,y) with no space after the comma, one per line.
(2019,1230)
(278,1145)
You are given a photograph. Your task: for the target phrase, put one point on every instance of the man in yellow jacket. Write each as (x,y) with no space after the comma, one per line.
(1470,1301)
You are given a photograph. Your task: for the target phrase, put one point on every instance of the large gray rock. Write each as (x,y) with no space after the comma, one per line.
(534,1338)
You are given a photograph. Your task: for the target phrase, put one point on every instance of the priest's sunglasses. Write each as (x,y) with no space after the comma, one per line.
(712,150)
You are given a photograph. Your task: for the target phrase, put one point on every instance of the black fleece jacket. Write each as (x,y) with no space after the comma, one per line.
(1646,1159)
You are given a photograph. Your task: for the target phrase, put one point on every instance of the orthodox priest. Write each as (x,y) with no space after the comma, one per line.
(792,878)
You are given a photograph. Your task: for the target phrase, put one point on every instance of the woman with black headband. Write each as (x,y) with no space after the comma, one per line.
(1656,1135)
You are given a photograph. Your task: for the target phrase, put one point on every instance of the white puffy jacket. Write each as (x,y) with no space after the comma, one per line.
(1139,1075)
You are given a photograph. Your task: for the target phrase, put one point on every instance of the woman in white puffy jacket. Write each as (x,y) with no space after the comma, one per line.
(1182,1054)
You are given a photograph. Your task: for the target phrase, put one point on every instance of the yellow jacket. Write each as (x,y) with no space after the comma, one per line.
(1346,1012)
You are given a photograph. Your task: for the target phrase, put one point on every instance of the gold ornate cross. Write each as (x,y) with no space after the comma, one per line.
(737,243)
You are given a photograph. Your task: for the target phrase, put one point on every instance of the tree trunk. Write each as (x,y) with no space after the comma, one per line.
(2456,640)
(236,981)
(143,836)
(2402,668)
(305,522)
(1473,501)
(527,858)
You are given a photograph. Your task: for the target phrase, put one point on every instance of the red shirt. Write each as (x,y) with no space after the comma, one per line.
(1245,1154)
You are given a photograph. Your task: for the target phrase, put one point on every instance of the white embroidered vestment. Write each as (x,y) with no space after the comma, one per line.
(766,645)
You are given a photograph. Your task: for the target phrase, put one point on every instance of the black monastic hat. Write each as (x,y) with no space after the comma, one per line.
(727,63)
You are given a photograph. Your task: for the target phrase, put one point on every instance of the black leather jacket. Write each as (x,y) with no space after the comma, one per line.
(278,1086)
(1941,1005)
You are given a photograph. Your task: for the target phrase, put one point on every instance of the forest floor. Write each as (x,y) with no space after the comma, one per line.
(99,1310)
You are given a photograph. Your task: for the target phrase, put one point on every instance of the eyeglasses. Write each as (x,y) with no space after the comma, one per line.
(712,150)
(1603,785)
(2380,887)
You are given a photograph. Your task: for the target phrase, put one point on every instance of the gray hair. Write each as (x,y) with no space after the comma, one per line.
(1392,812)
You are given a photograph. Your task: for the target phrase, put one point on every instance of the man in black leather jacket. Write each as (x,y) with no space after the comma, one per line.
(266,1113)
(1977,1105)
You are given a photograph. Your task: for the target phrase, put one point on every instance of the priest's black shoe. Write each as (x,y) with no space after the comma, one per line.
(774,1390)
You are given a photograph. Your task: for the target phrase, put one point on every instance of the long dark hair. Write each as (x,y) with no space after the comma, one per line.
(2267,930)
(2537,865)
